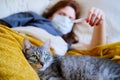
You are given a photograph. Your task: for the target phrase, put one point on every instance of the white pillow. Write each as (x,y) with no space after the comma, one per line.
(8,7)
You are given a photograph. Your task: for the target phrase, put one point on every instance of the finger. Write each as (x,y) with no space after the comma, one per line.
(98,17)
(99,21)
(89,15)
(101,18)
(94,16)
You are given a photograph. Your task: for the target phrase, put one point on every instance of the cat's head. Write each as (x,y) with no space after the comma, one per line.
(39,58)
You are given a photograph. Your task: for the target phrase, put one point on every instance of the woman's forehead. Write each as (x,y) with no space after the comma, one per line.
(68,11)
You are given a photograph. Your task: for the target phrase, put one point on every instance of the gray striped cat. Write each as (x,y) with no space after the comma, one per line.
(51,67)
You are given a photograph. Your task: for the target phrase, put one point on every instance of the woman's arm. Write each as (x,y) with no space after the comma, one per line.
(96,18)
(98,36)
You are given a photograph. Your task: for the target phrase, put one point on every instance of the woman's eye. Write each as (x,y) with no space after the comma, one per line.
(62,14)
(71,18)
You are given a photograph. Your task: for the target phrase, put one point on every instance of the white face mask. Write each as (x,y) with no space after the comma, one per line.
(62,23)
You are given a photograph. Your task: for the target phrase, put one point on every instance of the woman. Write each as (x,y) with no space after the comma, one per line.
(71,10)
(60,21)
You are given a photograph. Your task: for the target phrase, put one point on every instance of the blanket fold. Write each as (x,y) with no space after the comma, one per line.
(13,65)
(109,51)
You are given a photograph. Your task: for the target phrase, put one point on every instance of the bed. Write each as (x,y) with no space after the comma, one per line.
(14,66)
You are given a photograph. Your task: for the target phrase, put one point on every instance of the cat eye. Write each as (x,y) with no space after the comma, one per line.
(34,56)
(46,56)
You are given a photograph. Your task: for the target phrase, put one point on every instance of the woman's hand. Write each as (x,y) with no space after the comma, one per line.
(95,17)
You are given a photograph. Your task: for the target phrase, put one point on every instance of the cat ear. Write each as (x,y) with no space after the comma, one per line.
(26,45)
(47,44)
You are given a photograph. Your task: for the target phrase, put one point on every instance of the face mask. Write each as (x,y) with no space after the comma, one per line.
(62,23)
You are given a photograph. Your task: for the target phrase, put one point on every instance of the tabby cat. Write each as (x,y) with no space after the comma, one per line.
(51,67)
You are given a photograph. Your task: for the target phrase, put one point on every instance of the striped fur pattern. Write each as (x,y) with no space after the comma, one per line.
(70,67)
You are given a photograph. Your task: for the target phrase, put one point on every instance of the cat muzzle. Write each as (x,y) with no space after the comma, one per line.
(42,64)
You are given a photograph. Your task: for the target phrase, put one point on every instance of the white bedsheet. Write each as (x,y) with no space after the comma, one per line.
(59,46)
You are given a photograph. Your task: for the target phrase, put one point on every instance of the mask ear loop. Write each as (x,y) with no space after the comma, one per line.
(79,20)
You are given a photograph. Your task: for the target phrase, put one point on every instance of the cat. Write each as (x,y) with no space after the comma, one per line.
(51,67)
